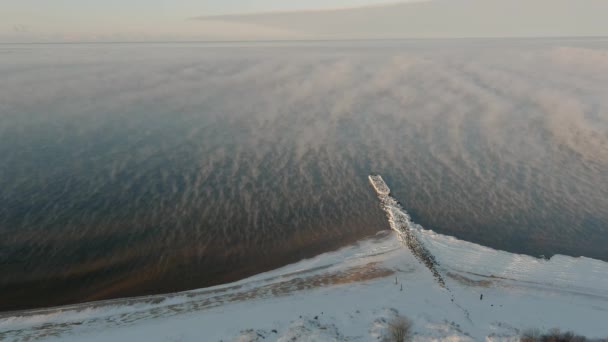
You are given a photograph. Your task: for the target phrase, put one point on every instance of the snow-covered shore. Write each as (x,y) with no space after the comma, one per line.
(350,295)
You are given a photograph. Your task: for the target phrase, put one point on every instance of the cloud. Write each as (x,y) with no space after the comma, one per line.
(20,28)
(441,19)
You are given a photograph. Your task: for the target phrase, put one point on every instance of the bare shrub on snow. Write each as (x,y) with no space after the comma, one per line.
(530,335)
(399,330)
(553,335)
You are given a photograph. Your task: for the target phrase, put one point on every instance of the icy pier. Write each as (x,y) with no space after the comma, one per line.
(379,185)
(400,221)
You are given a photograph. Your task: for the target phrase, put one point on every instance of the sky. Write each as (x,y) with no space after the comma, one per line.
(165,20)
(147,19)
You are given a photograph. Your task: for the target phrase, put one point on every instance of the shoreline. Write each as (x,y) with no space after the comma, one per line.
(365,270)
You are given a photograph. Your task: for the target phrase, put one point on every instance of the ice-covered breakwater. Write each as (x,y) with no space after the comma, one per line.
(400,221)
(379,185)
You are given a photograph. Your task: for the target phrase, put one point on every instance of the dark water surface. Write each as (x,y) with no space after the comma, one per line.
(131,169)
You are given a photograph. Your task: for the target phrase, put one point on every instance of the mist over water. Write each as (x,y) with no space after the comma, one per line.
(133,169)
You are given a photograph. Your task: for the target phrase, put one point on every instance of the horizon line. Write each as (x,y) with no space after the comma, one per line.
(305,40)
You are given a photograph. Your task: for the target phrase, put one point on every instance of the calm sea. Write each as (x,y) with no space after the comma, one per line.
(132,169)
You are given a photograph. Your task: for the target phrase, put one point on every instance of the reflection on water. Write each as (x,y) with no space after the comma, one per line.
(137,169)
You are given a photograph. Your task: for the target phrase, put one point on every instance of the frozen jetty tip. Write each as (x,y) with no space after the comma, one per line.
(379,185)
